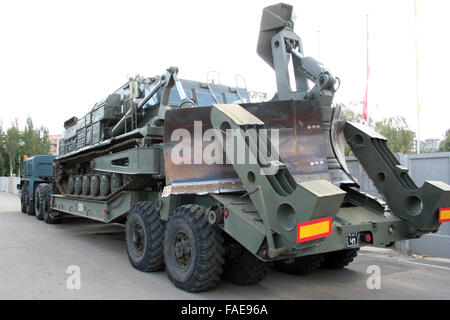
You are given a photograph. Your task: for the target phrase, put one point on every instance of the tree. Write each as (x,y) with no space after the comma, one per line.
(35,141)
(444,146)
(399,138)
(3,156)
(12,146)
(395,130)
(15,144)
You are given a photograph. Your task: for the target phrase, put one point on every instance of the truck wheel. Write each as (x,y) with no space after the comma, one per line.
(39,200)
(23,200)
(339,259)
(144,235)
(300,265)
(47,212)
(193,249)
(241,267)
(30,203)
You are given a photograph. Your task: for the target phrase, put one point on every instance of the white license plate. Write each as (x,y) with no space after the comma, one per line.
(352,239)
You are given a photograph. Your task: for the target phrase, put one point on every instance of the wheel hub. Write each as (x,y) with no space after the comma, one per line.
(182,249)
(138,238)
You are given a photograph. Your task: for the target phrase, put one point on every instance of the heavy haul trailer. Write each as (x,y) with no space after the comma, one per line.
(139,159)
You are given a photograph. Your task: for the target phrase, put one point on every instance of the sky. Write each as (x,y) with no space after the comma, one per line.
(58,58)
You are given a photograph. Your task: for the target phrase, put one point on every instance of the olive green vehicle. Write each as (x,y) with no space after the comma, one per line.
(136,158)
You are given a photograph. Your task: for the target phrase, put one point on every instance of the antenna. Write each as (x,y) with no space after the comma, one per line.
(214,72)
(238,76)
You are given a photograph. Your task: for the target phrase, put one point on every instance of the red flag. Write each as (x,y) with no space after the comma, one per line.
(365,101)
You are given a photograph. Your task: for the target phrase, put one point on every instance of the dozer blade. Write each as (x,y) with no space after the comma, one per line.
(302,146)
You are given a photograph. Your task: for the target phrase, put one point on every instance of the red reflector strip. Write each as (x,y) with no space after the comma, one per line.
(314,229)
(444,215)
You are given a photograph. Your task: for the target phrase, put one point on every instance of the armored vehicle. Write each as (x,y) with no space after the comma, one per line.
(210,185)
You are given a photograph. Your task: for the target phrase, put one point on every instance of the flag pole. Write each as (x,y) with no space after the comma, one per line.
(417,78)
(366,100)
(318,44)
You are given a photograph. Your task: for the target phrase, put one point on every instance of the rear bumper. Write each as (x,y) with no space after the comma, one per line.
(381,229)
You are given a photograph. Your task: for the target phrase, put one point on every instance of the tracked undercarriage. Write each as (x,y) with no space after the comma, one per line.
(74,175)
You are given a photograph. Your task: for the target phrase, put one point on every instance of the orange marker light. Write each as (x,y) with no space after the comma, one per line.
(444,214)
(314,229)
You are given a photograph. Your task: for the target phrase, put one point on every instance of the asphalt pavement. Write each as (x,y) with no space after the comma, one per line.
(37,261)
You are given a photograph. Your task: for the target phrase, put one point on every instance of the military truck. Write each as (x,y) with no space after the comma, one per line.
(210,185)
(37,175)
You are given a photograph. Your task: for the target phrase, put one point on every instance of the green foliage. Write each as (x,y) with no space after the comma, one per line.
(14,144)
(13,147)
(399,138)
(444,146)
(35,141)
(3,156)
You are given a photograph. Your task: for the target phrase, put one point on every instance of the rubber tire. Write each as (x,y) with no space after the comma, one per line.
(152,259)
(23,205)
(46,210)
(39,202)
(339,259)
(242,267)
(207,250)
(301,265)
(30,203)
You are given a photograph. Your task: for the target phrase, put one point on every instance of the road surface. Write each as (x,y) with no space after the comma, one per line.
(35,259)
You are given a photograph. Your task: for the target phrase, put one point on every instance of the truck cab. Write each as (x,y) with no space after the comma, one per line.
(37,171)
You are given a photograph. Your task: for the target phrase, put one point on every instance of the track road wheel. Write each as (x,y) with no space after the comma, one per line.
(39,201)
(241,266)
(48,213)
(116,182)
(193,249)
(104,185)
(144,235)
(300,265)
(339,259)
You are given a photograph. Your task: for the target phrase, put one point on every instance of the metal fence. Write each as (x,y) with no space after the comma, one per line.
(429,166)
(8,184)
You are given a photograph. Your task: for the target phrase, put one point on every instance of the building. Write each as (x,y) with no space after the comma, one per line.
(431,145)
(54,143)
(427,146)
